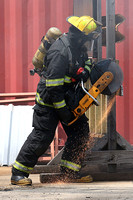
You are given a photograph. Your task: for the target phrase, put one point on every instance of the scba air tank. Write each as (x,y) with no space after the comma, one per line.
(52,34)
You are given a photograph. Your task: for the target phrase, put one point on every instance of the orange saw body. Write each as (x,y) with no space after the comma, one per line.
(86,102)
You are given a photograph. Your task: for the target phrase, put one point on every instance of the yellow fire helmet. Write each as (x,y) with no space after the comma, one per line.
(85,24)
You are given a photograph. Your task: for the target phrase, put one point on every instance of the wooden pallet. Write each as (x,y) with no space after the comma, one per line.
(101,163)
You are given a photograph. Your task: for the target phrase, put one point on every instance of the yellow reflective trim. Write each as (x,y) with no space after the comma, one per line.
(70,165)
(30,168)
(67,79)
(60,104)
(88,68)
(73,163)
(21,167)
(88,62)
(40,101)
(54,82)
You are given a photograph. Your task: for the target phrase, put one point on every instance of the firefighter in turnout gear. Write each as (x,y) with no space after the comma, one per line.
(66,63)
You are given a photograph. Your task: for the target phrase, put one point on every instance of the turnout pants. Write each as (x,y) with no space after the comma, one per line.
(45,121)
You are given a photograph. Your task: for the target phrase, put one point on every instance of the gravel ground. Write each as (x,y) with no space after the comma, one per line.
(64,191)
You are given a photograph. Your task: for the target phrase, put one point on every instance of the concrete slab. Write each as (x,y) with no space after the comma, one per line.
(121,190)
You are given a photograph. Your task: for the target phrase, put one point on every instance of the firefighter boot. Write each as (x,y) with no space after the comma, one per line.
(20,180)
(70,176)
(77,178)
(83,179)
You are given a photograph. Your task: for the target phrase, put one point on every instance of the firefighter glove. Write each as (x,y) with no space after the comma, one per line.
(85,75)
(80,74)
(65,115)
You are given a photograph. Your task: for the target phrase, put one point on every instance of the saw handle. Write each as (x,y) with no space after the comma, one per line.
(94,99)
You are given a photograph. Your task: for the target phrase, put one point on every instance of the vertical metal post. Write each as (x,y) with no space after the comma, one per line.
(110,33)
(97,16)
(99,42)
(110,53)
(95,50)
(97,53)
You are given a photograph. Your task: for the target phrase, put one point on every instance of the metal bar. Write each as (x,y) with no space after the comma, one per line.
(52,149)
(95,9)
(17,100)
(95,50)
(97,54)
(110,52)
(17,94)
(56,141)
(99,41)
(110,32)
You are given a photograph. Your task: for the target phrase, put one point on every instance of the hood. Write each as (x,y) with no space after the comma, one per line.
(76,39)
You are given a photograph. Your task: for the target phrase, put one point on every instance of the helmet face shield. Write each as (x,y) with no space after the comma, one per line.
(90,50)
(87,47)
(88,44)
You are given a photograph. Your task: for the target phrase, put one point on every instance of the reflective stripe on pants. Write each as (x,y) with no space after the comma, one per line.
(70,165)
(22,168)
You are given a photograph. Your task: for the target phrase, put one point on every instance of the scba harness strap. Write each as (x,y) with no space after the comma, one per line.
(64,39)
